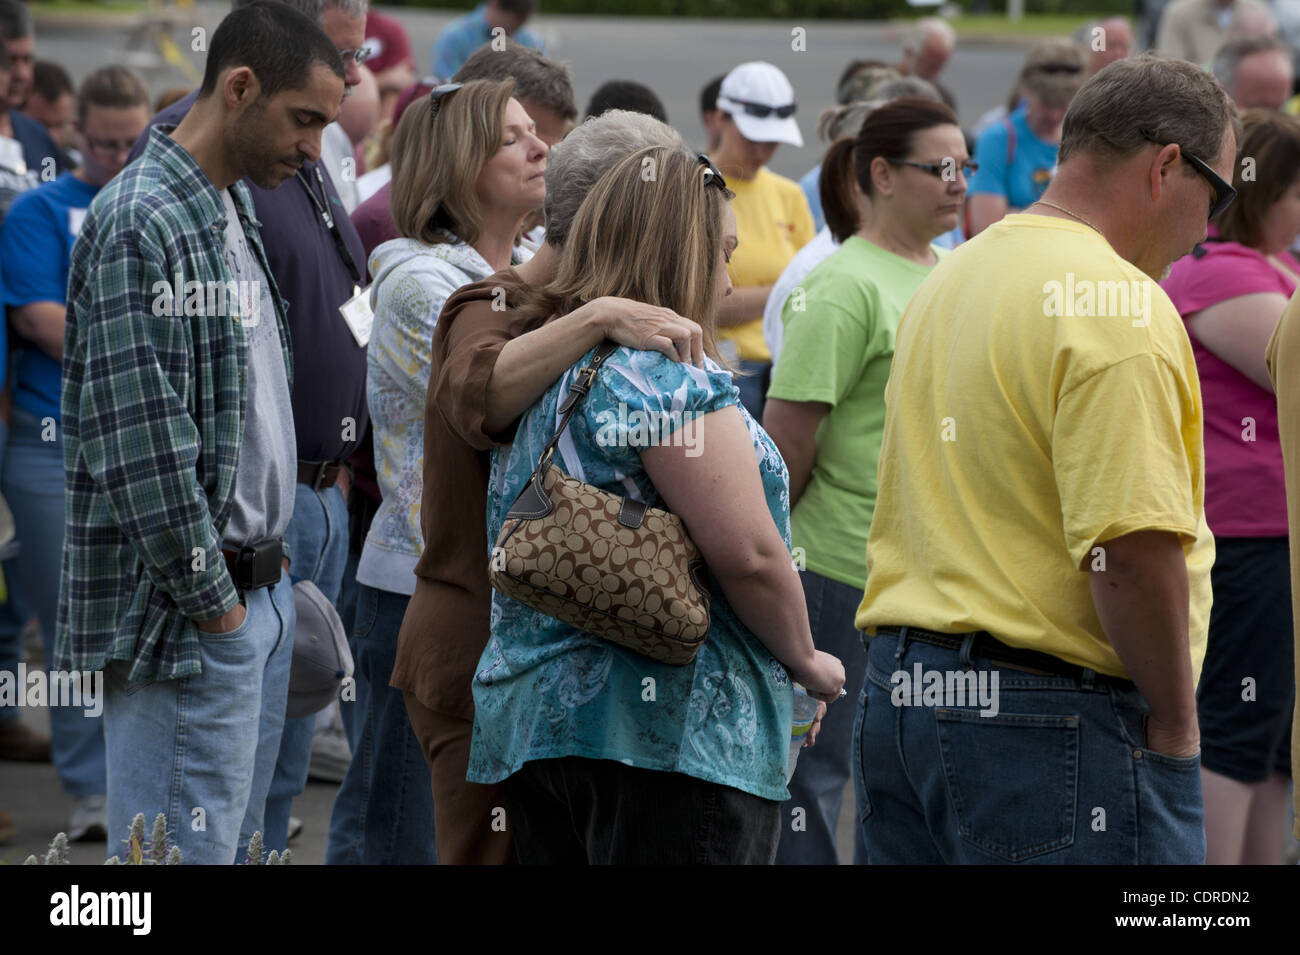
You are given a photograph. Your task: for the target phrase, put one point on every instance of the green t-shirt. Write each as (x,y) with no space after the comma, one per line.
(837,349)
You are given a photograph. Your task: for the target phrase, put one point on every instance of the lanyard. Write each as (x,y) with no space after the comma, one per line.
(344,252)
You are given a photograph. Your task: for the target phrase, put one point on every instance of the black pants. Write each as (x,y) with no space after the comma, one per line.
(576,811)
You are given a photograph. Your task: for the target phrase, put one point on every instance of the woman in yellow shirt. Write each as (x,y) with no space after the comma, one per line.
(773,220)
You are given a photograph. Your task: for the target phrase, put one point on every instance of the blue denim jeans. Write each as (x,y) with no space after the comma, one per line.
(1061,774)
(202,749)
(14,612)
(823,770)
(318,548)
(383,814)
(33,487)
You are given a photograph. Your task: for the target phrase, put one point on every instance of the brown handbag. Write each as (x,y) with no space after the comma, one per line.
(608,565)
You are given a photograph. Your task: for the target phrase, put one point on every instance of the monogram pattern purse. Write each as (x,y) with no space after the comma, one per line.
(608,565)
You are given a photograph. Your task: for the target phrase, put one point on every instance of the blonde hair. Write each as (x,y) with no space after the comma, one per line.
(649,230)
(436,161)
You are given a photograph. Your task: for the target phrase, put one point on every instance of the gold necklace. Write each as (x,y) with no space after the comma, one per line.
(1045,202)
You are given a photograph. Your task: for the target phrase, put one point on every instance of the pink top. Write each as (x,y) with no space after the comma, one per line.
(1245,484)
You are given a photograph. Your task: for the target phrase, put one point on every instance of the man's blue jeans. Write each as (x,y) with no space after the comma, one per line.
(33,487)
(318,548)
(202,750)
(383,814)
(1061,774)
(823,770)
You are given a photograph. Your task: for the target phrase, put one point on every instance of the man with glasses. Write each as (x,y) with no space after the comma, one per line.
(35,251)
(318,263)
(1039,545)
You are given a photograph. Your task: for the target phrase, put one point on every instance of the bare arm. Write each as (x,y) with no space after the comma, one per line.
(1237,331)
(531,363)
(985,209)
(1142,601)
(718,493)
(743,304)
(793,426)
(42,324)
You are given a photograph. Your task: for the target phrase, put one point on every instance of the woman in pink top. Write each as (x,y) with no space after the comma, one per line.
(1231,292)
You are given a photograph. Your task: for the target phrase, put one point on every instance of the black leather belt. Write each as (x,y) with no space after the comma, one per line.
(1014,658)
(319,475)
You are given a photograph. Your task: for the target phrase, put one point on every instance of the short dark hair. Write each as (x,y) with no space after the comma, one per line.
(50,80)
(276,42)
(887,132)
(629,95)
(709,94)
(524,8)
(15,20)
(113,87)
(548,83)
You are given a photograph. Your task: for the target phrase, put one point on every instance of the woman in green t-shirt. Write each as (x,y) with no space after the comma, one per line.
(826,404)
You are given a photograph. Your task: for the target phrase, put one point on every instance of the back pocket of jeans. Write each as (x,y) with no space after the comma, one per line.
(1012,779)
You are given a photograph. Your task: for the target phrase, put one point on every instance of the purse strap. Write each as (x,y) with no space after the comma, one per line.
(577,391)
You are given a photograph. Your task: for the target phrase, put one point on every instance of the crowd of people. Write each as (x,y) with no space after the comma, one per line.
(988,433)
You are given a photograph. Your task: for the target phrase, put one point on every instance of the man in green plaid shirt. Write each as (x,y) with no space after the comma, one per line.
(178,442)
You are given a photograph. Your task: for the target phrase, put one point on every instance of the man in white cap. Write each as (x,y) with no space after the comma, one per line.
(773,221)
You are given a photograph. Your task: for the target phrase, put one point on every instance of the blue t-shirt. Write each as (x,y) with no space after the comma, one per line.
(35,250)
(547,690)
(467,33)
(1024,179)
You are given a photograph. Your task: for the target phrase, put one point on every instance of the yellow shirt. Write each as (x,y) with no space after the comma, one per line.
(1043,398)
(773,222)
(1283,357)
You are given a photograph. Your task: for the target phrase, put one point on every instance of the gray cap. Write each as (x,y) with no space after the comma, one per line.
(321,658)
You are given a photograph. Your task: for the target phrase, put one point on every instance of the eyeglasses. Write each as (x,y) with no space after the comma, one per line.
(109,147)
(712,175)
(1053,68)
(437,93)
(763,111)
(1223,191)
(968,168)
(358,56)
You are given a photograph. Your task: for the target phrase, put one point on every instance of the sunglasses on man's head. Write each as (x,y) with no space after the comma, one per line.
(763,111)
(436,96)
(1223,191)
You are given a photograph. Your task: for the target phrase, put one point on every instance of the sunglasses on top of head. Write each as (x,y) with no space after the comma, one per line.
(1223,191)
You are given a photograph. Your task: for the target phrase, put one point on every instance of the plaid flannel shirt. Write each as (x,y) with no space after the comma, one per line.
(153,414)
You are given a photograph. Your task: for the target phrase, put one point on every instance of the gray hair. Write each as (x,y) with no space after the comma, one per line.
(583,156)
(1172,100)
(906,86)
(1227,59)
(837,122)
(914,39)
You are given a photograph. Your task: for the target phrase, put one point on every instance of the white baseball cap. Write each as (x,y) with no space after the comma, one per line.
(761,102)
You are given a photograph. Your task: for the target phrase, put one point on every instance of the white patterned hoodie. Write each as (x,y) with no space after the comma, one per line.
(412,283)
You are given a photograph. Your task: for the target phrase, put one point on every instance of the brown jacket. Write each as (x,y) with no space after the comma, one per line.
(447,622)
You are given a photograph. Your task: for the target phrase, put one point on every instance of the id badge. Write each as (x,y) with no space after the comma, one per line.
(357,313)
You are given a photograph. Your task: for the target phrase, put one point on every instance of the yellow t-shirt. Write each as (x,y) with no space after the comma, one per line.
(1043,399)
(773,222)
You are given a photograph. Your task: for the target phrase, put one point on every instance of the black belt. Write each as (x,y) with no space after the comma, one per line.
(319,475)
(1015,658)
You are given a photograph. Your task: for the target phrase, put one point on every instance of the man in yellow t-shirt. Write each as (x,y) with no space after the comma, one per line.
(773,221)
(1038,567)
